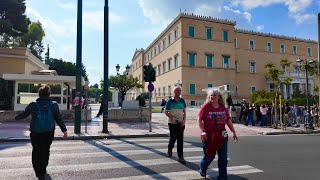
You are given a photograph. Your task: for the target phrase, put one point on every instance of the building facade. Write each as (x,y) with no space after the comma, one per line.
(197,52)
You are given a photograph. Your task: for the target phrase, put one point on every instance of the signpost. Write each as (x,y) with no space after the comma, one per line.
(150,88)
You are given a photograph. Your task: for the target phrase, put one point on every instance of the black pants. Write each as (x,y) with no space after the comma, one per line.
(100,110)
(176,133)
(41,143)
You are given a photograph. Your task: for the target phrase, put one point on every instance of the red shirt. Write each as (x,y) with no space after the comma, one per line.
(214,118)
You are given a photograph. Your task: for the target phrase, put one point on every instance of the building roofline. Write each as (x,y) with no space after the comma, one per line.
(136,53)
(190,16)
(274,35)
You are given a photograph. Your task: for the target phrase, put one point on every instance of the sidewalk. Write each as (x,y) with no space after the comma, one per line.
(19,131)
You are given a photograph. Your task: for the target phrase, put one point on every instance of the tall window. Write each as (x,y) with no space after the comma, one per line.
(148,57)
(251,44)
(163,67)
(159,45)
(176,61)
(163,44)
(169,64)
(159,69)
(169,39)
(225,35)
(210,85)
(192,59)
(169,90)
(155,51)
(252,67)
(236,66)
(228,87)
(159,92)
(237,90)
(209,35)
(164,91)
(151,54)
(282,48)
(225,62)
(235,43)
(296,69)
(209,61)
(269,46)
(192,89)
(176,34)
(309,50)
(191,31)
(253,89)
(294,49)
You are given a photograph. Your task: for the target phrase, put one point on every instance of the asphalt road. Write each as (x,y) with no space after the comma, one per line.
(292,157)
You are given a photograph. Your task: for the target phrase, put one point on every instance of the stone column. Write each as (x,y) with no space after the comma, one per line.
(291,90)
(115,97)
(284,87)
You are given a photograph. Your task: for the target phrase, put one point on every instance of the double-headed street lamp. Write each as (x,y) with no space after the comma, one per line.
(118,68)
(306,64)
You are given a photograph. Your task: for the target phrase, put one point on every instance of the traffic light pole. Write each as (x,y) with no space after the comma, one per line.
(150,108)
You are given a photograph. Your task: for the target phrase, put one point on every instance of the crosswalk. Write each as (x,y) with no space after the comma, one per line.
(123,159)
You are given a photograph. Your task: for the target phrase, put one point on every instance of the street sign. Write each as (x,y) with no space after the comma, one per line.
(150,87)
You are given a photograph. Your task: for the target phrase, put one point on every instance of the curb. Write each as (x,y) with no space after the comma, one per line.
(27,139)
(293,132)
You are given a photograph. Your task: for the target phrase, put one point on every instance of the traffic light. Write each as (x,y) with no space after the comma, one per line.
(146,72)
(152,75)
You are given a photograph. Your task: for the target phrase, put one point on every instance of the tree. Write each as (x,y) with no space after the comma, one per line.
(276,75)
(95,86)
(33,39)
(262,97)
(123,83)
(65,68)
(13,21)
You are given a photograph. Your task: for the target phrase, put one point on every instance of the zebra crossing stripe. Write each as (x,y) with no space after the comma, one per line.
(106,154)
(211,173)
(99,166)
(87,146)
(73,142)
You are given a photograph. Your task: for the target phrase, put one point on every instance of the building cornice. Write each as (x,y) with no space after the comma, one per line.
(190,16)
(251,32)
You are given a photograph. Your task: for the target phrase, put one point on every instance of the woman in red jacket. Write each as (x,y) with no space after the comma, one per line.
(212,118)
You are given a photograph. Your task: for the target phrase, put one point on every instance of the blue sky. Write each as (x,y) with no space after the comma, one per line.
(136,23)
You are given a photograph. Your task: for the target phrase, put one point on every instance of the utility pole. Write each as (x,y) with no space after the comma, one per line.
(77,121)
(106,68)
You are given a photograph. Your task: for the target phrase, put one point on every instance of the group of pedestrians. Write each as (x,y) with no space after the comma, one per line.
(212,118)
(252,114)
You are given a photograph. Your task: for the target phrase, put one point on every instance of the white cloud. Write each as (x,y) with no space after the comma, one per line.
(260,28)
(153,14)
(68,6)
(53,29)
(304,18)
(95,19)
(205,9)
(245,14)
(295,7)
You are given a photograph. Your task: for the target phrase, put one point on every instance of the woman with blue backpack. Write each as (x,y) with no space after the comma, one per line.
(45,113)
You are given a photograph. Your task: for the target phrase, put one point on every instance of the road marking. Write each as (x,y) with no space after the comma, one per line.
(109,153)
(232,170)
(13,172)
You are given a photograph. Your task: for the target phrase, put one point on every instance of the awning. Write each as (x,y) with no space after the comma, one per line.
(43,79)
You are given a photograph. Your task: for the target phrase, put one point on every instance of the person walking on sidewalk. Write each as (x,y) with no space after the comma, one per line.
(212,118)
(263,111)
(250,116)
(175,110)
(43,111)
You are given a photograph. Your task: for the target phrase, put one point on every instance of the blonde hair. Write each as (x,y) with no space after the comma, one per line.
(214,91)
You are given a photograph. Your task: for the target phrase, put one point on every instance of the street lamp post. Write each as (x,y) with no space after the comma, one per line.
(105,67)
(309,123)
(117,68)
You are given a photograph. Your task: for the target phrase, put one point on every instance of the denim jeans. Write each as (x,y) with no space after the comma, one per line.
(222,161)
(263,119)
(250,119)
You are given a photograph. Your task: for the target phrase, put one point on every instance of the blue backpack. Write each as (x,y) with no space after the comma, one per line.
(44,121)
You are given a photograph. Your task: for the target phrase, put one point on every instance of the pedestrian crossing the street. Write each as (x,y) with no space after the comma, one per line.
(135,158)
